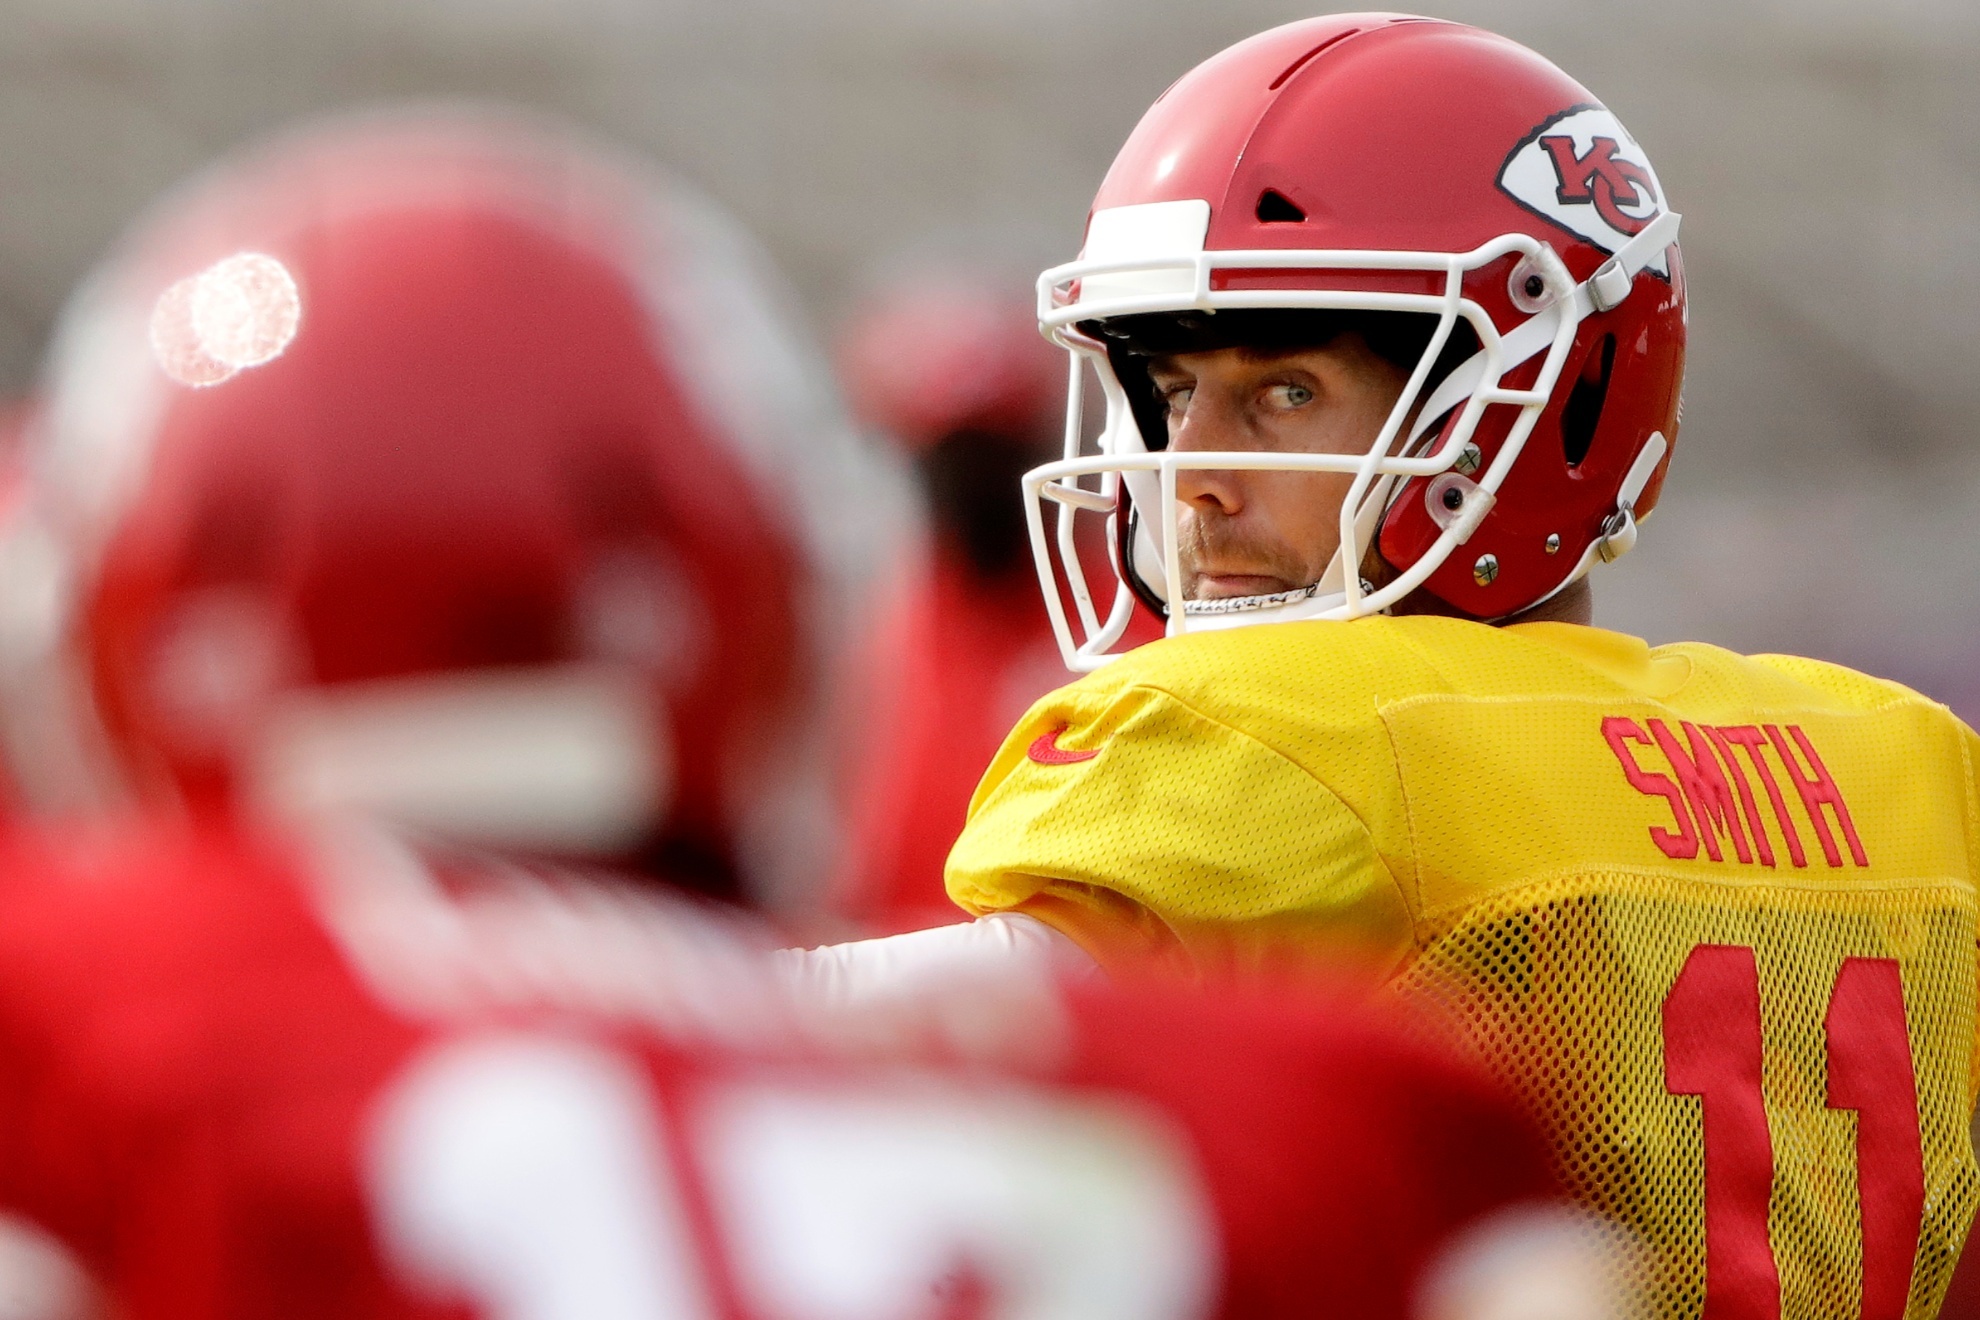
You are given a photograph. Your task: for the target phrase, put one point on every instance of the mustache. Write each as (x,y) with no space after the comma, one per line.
(1220,546)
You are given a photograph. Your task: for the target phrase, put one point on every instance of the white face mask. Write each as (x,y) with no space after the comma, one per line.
(574,759)
(1150,258)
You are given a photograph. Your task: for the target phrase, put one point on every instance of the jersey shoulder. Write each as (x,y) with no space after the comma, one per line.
(1231,782)
(1316,692)
(1896,723)
(1330,672)
(1821,680)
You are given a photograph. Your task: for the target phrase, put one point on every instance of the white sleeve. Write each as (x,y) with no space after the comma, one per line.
(1005,949)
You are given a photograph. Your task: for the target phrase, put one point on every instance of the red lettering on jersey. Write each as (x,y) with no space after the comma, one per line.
(1682,844)
(1713,1049)
(1870,1071)
(1746,803)
(1818,789)
(1708,785)
(1704,785)
(1753,740)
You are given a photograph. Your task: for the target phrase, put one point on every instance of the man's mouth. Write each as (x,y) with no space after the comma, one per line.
(1224,586)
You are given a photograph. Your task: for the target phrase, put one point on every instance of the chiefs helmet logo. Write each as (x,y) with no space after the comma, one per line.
(1584,172)
(1602,179)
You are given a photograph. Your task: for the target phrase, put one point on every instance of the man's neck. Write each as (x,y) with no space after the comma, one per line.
(1574,603)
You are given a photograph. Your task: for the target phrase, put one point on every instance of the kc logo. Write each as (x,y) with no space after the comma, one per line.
(1583,171)
(1601,178)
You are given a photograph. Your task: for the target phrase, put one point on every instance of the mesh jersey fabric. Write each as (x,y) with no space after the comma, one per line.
(1541,829)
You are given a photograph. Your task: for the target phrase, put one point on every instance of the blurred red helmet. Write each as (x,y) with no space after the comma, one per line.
(437,465)
(939,353)
(1363,164)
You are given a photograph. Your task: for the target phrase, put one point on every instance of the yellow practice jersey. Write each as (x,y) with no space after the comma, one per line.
(1713,915)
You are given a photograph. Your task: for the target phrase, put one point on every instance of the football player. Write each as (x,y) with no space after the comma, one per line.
(1390,319)
(439,469)
(382,481)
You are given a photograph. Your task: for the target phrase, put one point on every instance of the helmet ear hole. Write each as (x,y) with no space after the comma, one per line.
(1583,410)
(1275,208)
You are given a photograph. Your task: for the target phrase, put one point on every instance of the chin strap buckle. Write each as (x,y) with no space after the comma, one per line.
(1618,535)
(1619,528)
(1609,286)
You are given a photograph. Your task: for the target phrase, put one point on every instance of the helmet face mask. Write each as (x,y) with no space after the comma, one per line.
(1479,450)
(1398,341)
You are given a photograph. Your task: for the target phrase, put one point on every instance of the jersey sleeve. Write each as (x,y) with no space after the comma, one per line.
(1143,827)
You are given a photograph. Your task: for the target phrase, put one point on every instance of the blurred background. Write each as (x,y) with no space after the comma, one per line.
(1826,154)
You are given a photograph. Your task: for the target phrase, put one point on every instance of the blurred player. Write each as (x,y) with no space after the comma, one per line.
(1390,320)
(442,471)
(398,546)
(954,372)
(239,1083)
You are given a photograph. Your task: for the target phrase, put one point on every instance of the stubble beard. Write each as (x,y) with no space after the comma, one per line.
(1217,542)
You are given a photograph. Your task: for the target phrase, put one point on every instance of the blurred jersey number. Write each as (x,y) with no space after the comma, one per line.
(538,1178)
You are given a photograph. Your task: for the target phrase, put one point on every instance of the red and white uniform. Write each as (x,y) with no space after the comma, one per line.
(240,1078)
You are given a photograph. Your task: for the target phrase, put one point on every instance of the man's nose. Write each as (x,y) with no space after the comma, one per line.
(1208,429)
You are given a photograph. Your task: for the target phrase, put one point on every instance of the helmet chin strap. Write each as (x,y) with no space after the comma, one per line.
(1240,604)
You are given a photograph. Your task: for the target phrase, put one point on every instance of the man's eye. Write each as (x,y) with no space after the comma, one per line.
(1176,399)
(1289,396)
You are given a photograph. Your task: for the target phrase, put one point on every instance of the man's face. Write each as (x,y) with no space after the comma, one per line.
(1253,533)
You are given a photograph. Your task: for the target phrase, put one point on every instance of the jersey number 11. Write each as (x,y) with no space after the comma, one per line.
(1712,1049)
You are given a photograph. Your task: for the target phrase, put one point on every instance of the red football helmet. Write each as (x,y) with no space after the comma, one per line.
(442,466)
(1380,163)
